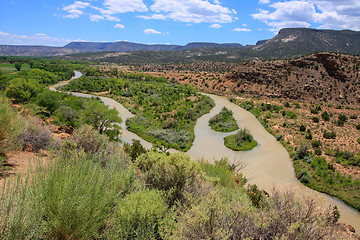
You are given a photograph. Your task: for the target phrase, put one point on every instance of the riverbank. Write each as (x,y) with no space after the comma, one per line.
(268,165)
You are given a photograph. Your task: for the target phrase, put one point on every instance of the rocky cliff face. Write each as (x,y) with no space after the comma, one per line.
(292,42)
(327,77)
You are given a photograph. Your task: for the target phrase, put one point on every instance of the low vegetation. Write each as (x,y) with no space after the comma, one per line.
(77,195)
(240,141)
(319,161)
(223,121)
(92,188)
(165,113)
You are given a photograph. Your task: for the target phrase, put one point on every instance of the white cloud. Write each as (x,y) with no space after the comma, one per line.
(154,16)
(107,10)
(193,11)
(73,9)
(37,39)
(264,1)
(95,18)
(151,31)
(122,6)
(119,26)
(242,30)
(215,25)
(332,14)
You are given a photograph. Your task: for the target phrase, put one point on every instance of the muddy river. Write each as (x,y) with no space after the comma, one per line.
(268,165)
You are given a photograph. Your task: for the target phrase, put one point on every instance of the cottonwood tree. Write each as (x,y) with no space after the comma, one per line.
(101,118)
(17,66)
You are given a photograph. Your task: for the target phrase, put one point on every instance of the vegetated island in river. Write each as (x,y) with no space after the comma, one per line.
(224,121)
(165,113)
(240,141)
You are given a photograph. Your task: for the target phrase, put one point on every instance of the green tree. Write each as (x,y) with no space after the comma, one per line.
(22,90)
(50,100)
(134,150)
(18,66)
(101,118)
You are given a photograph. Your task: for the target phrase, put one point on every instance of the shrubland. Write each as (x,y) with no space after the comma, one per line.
(325,152)
(77,195)
(165,113)
(224,121)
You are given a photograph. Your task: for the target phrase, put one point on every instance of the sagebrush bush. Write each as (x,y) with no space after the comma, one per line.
(175,174)
(224,214)
(11,126)
(68,198)
(137,216)
(96,145)
(36,135)
(171,136)
(89,139)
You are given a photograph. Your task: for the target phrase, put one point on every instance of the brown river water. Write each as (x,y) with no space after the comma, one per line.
(268,165)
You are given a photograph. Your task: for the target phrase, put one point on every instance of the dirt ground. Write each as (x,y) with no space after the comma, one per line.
(19,163)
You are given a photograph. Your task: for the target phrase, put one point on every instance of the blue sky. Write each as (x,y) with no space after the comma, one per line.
(55,23)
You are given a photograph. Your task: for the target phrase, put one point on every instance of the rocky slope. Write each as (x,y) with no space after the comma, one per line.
(327,77)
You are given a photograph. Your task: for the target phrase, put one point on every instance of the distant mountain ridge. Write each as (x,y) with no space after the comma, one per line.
(92,47)
(123,46)
(289,43)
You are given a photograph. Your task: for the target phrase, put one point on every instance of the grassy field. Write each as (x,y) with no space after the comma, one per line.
(8,67)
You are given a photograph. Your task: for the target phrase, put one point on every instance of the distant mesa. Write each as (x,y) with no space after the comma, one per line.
(289,43)
(261,42)
(123,46)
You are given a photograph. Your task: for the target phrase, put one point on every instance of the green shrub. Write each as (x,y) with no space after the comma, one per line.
(302,128)
(69,198)
(223,121)
(279,137)
(291,115)
(137,216)
(11,126)
(358,127)
(304,177)
(96,145)
(89,139)
(174,174)
(240,141)
(318,151)
(223,173)
(329,135)
(316,143)
(315,119)
(325,116)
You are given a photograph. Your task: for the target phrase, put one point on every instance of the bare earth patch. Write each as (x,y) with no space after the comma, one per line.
(20,163)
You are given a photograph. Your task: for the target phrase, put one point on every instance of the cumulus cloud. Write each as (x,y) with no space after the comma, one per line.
(151,31)
(37,39)
(122,6)
(193,11)
(106,10)
(95,18)
(264,1)
(332,14)
(73,9)
(215,25)
(154,16)
(241,30)
(119,26)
